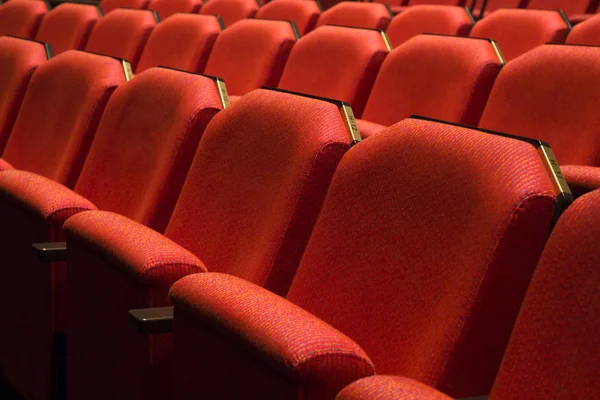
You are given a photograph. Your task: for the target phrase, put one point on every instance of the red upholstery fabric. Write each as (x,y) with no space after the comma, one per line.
(122,34)
(357,14)
(518,31)
(21,18)
(578,18)
(68,26)
(18,61)
(546,94)
(435,308)
(389,387)
(5,165)
(261,47)
(109,5)
(400,9)
(581,179)
(587,32)
(570,7)
(367,128)
(166,8)
(493,5)
(244,209)
(183,41)
(440,77)
(60,113)
(231,11)
(336,62)
(445,20)
(303,13)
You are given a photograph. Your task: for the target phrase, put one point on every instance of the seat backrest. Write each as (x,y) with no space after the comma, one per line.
(549,93)
(554,349)
(251,208)
(123,34)
(303,13)
(251,54)
(442,77)
(145,143)
(68,26)
(517,30)
(21,17)
(443,20)
(570,7)
(445,229)
(109,5)
(357,14)
(19,58)
(166,8)
(231,11)
(438,2)
(493,5)
(586,32)
(336,62)
(60,113)
(183,41)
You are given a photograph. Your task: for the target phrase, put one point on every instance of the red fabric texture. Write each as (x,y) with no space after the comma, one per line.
(357,14)
(587,32)
(21,18)
(68,26)
(389,387)
(570,7)
(440,77)
(18,60)
(231,11)
(554,350)
(303,13)
(183,41)
(581,179)
(296,345)
(367,128)
(122,34)
(443,20)
(336,62)
(60,113)
(109,5)
(493,5)
(4,165)
(545,94)
(166,8)
(261,47)
(519,31)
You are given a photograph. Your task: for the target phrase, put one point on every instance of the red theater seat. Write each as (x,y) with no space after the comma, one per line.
(182,41)
(166,8)
(231,11)
(109,5)
(245,209)
(518,31)
(440,77)
(136,166)
(587,32)
(19,58)
(549,93)
(570,7)
(123,34)
(406,272)
(303,13)
(68,26)
(443,20)
(582,179)
(493,5)
(336,62)
(553,351)
(357,14)
(21,17)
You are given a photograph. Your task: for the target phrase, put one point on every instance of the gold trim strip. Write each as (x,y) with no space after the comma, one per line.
(386,40)
(498,52)
(350,122)
(222,92)
(558,180)
(127,70)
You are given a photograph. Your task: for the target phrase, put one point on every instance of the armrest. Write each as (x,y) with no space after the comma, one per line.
(279,333)
(49,200)
(152,321)
(48,252)
(390,387)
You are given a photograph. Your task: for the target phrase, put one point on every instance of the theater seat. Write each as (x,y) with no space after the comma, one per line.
(231,11)
(123,34)
(399,9)
(166,8)
(336,62)
(182,41)
(443,20)
(21,17)
(581,179)
(251,54)
(518,31)
(493,5)
(357,14)
(68,26)
(553,351)
(19,58)
(430,289)
(136,166)
(245,209)
(442,77)
(303,13)
(548,93)
(570,7)
(586,33)
(110,5)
